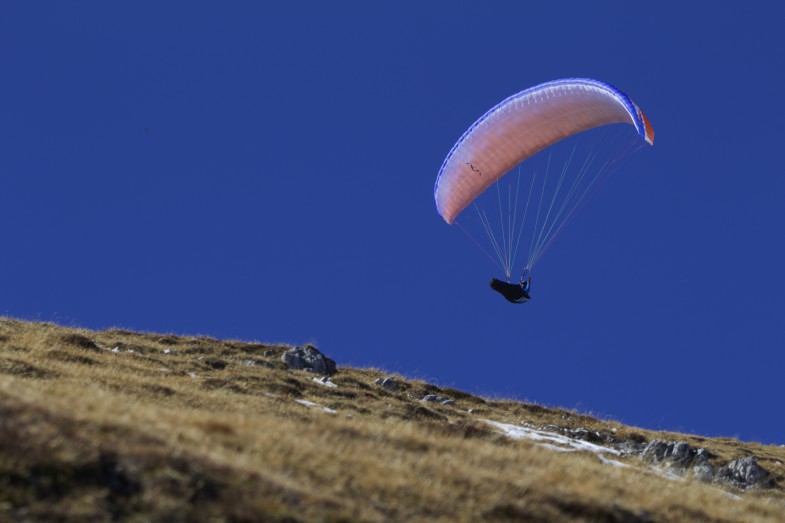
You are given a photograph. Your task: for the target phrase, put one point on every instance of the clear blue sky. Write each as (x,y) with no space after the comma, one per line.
(242,171)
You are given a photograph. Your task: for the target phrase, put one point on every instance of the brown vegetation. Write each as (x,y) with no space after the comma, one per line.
(123,426)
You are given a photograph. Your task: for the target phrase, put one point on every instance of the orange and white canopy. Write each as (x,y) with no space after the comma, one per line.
(521,126)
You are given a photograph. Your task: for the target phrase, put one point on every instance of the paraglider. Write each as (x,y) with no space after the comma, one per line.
(513,292)
(511,134)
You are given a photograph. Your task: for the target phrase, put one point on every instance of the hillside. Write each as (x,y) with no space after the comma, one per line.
(122,426)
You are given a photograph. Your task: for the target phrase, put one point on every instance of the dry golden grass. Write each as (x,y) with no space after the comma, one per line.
(123,426)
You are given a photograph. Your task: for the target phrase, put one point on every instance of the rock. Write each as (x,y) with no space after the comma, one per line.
(744,473)
(634,443)
(387,384)
(702,469)
(592,436)
(629,447)
(268,353)
(679,454)
(682,457)
(438,399)
(741,473)
(310,359)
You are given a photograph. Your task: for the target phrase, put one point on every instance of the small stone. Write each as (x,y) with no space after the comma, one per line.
(325,380)
(433,398)
(387,384)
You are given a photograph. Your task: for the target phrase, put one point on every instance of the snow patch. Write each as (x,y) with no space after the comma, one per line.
(550,440)
(326,382)
(312,404)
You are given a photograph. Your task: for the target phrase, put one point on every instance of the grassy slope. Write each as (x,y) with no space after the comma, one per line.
(168,428)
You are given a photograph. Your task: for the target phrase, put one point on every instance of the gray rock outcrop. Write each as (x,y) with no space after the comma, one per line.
(745,473)
(684,459)
(681,457)
(310,359)
(674,453)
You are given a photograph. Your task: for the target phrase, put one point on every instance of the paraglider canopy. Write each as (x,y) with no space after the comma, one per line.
(522,125)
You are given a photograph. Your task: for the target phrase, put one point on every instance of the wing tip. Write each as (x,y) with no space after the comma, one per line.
(648,129)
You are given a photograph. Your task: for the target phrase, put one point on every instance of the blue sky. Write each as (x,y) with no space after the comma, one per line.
(266,173)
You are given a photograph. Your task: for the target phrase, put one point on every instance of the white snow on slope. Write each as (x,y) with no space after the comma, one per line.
(325,382)
(556,442)
(312,404)
(550,440)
